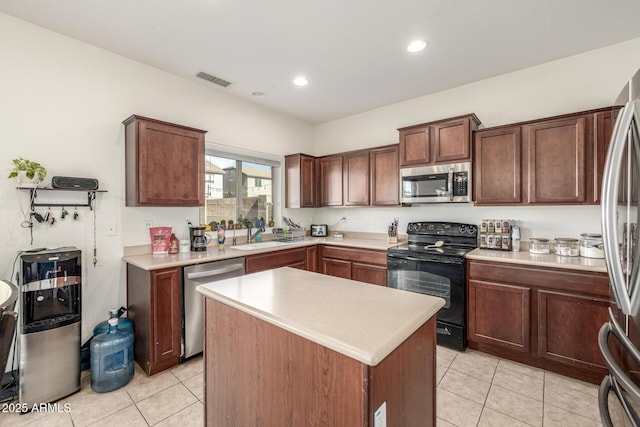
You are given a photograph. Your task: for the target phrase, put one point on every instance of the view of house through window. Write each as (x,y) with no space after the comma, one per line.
(237,191)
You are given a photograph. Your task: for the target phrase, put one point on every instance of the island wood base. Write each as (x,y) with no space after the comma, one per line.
(258,374)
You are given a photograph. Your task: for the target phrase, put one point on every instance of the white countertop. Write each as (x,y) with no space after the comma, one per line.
(362,321)
(547,260)
(149,261)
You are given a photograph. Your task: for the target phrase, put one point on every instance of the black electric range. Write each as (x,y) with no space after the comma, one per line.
(433,263)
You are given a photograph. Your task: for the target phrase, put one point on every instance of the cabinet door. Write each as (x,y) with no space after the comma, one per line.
(300,181)
(356,178)
(312,258)
(603,122)
(497,168)
(165,312)
(164,164)
(557,162)
(415,146)
(500,315)
(336,267)
(330,181)
(369,273)
(568,326)
(452,141)
(385,173)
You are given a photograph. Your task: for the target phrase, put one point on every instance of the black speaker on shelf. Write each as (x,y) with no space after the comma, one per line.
(72,183)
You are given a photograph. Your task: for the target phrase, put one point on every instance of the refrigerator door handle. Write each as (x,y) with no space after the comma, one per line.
(617,377)
(628,120)
(608,384)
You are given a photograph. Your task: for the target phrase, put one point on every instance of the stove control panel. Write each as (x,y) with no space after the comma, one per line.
(442,229)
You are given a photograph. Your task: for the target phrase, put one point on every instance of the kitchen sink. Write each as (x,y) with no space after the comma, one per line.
(261,245)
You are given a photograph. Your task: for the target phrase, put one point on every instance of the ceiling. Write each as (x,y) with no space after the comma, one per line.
(353,52)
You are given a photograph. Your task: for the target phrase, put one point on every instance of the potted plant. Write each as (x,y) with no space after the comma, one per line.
(223,224)
(27,173)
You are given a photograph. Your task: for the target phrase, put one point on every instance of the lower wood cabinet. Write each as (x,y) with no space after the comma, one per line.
(507,328)
(264,375)
(302,258)
(363,265)
(153,296)
(544,317)
(567,325)
(153,301)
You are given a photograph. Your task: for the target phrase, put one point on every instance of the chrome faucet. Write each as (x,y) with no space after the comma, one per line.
(250,236)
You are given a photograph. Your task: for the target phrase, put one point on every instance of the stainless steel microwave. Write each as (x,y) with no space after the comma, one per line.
(447,183)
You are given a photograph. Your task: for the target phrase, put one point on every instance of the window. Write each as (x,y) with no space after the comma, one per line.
(238,188)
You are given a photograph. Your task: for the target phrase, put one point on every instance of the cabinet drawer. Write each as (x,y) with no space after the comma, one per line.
(591,283)
(271,260)
(355,255)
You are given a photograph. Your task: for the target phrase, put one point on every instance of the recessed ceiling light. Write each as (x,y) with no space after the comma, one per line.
(417,46)
(258,94)
(300,81)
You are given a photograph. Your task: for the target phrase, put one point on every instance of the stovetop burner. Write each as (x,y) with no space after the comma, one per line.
(457,239)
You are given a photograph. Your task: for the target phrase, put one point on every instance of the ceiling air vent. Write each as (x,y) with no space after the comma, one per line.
(214,79)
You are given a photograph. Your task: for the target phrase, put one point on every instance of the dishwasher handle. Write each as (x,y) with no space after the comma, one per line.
(215,272)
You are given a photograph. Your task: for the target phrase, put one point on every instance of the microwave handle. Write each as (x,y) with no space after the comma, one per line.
(450,184)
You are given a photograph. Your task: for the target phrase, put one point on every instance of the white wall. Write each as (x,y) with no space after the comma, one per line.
(577,83)
(62,103)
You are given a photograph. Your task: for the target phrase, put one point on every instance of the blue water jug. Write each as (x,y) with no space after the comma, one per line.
(111,359)
(123,322)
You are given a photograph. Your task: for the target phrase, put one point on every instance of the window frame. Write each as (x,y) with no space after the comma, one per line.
(241,155)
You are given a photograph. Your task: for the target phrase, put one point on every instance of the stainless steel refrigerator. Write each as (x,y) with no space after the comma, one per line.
(619,338)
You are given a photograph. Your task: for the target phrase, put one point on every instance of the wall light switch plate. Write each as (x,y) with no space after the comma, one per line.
(380,416)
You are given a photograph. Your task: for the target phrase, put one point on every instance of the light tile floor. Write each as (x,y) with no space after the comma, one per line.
(474,389)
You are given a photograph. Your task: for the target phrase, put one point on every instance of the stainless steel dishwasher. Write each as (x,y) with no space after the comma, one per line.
(193,302)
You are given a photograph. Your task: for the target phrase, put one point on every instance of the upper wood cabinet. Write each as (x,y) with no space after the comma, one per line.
(444,141)
(330,171)
(603,129)
(385,176)
(164,163)
(367,177)
(301,181)
(557,160)
(553,161)
(498,171)
(356,178)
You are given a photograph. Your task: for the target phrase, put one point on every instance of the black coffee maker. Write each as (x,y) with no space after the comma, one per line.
(199,239)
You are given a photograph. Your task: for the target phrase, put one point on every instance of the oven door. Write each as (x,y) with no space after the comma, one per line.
(442,278)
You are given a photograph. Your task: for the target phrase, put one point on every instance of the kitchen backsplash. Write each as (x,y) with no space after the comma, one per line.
(534,221)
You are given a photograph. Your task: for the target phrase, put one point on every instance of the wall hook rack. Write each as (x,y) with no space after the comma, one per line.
(91,197)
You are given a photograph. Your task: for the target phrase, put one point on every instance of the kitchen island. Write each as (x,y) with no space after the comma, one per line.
(288,347)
